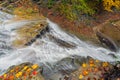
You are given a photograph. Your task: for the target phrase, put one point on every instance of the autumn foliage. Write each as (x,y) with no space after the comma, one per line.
(21,72)
(109,4)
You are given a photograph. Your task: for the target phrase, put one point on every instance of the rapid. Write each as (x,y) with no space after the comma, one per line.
(47,51)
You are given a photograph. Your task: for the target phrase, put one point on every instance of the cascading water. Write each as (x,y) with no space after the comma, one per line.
(48,51)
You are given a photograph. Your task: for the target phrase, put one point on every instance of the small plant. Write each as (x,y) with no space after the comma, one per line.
(50,3)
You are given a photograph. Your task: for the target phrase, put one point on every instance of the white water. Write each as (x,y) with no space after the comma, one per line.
(47,50)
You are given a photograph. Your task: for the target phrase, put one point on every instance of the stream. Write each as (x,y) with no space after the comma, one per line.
(50,51)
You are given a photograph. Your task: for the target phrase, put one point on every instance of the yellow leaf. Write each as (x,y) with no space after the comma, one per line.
(5,75)
(29,69)
(97,61)
(81,76)
(25,67)
(105,64)
(11,70)
(35,66)
(19,74)
(84,65)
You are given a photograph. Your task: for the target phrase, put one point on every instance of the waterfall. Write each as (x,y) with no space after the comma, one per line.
(47,51)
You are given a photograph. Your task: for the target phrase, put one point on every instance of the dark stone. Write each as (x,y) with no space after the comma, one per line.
(38,36)
(33,40)
(47,29)
(28,44)
(42,32)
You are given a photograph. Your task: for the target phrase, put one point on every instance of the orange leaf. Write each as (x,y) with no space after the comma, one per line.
(34,72)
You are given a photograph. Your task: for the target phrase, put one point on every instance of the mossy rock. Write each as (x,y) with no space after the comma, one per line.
(28,32)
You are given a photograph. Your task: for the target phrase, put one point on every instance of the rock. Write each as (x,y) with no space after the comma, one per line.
(81,68)
(62,42)
(113,74)
(28,34)
(91,70)
(108,33)
(24,71)
(66,66)
(59,70)
(39,35)
(106,40)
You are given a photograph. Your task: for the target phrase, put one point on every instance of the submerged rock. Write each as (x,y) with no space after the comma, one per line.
(61,42)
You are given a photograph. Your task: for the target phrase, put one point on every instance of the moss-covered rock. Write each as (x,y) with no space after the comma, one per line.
(28,32)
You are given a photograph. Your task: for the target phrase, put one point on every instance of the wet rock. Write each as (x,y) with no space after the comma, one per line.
(106,40)
(91,70)
(60,70)
(66,66)
(63,68)
(24,71)
(28,34)
(108,33)
(39,35)
(113,74)
(62,42)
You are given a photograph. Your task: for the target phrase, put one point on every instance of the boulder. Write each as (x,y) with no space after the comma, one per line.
(108,33)
(24,71)
(28,34)
(95,70)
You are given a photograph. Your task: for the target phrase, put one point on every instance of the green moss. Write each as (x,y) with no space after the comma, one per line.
(50,3)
